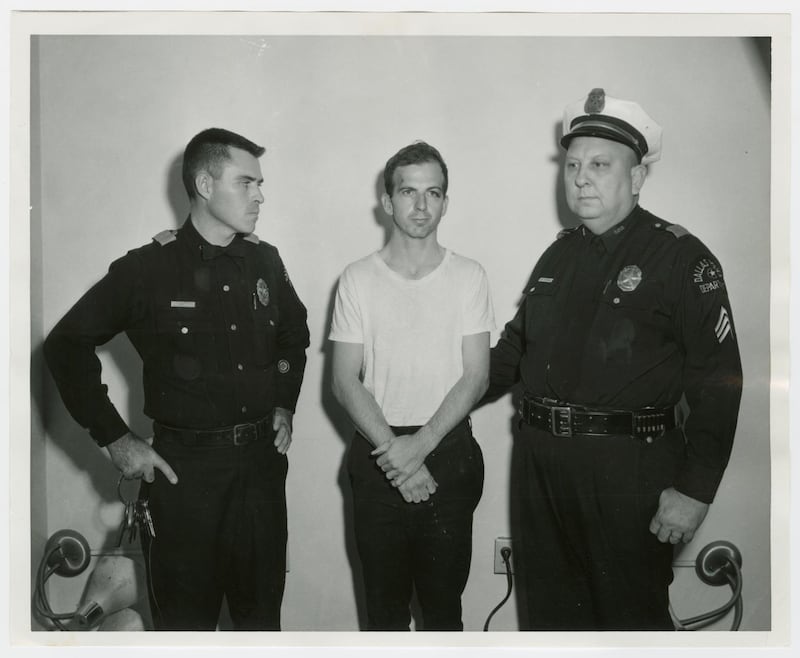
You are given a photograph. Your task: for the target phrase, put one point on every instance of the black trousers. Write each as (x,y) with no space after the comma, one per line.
(221,531)
(588,560)
(424,546)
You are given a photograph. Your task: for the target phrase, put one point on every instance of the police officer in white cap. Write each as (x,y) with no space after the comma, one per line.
(624,317)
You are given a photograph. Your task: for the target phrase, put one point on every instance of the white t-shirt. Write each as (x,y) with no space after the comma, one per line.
(411,330)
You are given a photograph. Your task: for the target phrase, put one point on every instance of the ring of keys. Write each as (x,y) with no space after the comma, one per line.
(136,519)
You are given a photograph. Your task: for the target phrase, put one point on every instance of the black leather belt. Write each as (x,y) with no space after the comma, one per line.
(236,435)
(570,420)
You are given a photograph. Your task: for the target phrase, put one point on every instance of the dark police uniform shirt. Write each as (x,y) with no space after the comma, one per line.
(632,318)
(221,333)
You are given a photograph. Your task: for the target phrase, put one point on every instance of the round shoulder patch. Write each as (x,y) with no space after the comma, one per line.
(706,274)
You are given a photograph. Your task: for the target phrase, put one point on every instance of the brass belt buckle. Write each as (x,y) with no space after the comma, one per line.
(561,421)
(244,433)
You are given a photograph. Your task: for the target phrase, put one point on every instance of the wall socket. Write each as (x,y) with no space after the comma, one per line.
(499,564)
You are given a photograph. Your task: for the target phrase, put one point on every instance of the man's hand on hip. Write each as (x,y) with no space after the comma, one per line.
(135,458)
(282,424)
(678,517)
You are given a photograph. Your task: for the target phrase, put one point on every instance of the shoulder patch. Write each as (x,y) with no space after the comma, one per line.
(706,275)
(252,237)
(165,237)
(677,230)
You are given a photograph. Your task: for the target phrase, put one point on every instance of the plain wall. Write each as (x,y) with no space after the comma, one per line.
(114,113)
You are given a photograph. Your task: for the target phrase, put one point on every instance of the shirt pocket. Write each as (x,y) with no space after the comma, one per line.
(644,302)
(631,323)
(186,342)
(265,337)
(540,300)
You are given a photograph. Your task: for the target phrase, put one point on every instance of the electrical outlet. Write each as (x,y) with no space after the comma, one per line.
(499,564)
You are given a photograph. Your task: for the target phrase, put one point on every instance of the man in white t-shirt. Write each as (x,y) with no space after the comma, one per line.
(411,358)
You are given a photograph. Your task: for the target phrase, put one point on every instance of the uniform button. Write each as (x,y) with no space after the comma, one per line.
(233,327)
(616,300)
(271,323)
(649,439)
(226,287)
(244,410)
(184,330)
(240,366)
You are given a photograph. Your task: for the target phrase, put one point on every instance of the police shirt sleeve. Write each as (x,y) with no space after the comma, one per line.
(69,349)
(712,372)
(507,354)
(292,341)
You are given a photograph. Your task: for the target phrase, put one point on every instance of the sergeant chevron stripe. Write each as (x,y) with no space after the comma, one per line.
(723,327)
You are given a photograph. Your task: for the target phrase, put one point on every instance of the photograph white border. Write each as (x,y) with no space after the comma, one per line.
(467,21)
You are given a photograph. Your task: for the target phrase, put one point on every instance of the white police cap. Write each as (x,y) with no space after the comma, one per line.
(599,115)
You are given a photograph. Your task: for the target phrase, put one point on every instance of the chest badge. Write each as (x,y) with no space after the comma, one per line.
(262,291)
(629,278)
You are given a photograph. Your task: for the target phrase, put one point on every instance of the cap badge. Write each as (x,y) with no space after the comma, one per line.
(629,278)
(595,101)
(262,291)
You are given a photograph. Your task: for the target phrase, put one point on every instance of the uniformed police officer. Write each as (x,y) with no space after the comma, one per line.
(222,337)
(622,316)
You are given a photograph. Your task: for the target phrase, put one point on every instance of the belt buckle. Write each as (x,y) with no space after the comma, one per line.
(561,421)
(244,433)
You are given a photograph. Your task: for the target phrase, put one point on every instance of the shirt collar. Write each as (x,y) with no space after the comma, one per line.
(196,242)
(616,234)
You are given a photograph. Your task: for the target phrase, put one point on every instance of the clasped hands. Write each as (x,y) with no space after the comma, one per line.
(402,461)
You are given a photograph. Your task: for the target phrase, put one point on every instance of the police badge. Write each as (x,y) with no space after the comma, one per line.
(629,278)
(262,291)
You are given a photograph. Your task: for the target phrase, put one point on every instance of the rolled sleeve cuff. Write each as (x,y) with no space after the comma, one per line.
(108,427)
(698,482)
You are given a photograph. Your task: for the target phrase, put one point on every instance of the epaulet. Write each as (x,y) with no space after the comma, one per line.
(677,230)
(565,232)
(165,237)
(252,237)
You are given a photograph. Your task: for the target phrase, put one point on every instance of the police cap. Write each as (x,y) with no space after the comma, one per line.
(600,115)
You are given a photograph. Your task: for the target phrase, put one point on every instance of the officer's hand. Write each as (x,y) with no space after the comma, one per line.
(418,487)
(399,458)
(282,424)
(678,517)
(134,458)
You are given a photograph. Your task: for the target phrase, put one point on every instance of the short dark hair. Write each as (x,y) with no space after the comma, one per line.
(416,153)
(208,150)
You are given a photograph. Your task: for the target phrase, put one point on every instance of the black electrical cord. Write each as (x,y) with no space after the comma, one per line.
(735,582)
(505,553)
(40,601)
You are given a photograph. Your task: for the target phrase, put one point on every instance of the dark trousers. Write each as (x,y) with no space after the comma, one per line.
(425,546)
(588,560)
(221,531)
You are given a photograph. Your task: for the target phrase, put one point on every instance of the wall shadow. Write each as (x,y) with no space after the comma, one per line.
(51,419)
(762,49)
(565,216)
(381,218)
(342,424)
(516,481)
(175,191)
